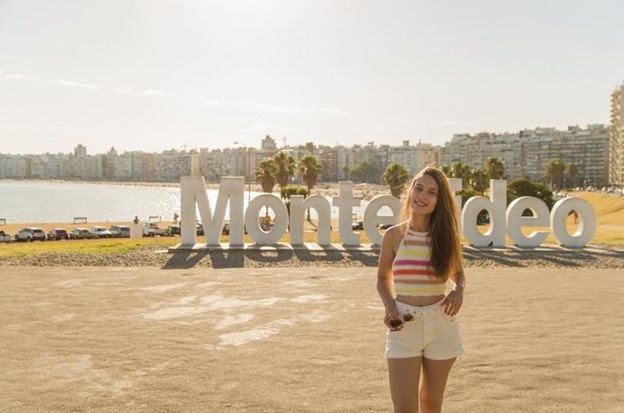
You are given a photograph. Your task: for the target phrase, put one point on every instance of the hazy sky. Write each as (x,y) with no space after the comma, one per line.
(152,75)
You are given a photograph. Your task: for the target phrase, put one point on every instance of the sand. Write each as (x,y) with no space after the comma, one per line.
(145,339)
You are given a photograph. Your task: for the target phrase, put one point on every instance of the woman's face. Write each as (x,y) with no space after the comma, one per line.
(424,196)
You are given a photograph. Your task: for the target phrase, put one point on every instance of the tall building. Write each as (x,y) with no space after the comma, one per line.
(268,144)
(80,150)
(616,137)
(526,153)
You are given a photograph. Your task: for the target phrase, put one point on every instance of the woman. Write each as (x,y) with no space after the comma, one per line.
(420,280)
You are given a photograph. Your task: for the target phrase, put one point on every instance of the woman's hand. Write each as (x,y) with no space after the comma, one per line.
(453,301)
(392,319)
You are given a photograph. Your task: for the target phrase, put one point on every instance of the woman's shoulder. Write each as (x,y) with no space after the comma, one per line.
(395,232)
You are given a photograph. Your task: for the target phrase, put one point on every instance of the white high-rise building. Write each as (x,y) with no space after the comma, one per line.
(616,138)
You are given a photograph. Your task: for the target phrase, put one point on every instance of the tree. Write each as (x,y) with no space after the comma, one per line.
(446,170)
(347,171)
(395,176)
(479,179)
(495,167)
(572,171)
(309,168)
(265,174)
(461,170)
(524,187)
(363,172)
(555,169)
(285,165)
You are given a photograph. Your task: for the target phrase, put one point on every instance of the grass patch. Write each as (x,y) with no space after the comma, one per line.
(609,232)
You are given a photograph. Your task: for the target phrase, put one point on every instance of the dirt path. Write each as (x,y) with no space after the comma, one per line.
(295,340)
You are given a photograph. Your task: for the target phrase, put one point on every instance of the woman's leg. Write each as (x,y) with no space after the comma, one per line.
(434,376)
(404,379)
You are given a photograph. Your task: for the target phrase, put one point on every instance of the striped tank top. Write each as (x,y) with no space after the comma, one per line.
(411,272)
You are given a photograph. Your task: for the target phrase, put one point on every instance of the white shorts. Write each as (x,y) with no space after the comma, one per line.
(431,334)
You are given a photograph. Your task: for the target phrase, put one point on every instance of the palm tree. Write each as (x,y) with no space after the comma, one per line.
(479,180)
(347,171)
(265,174)
(555,169)
(446,170)
(461,170)
(309,168)
(395,176)
(495,167)
(285,168)
(572,171)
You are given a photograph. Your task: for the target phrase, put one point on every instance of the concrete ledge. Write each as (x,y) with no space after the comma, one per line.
(309,246)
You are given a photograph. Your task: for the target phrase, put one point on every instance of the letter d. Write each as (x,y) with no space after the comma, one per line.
(496,206)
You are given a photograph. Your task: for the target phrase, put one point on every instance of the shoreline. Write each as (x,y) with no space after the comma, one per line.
(366,191)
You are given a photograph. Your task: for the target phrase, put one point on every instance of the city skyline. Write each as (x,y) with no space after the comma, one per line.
(238,145)
(153,76)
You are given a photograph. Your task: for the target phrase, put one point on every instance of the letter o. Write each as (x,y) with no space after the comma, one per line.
(253,212)
(586,224)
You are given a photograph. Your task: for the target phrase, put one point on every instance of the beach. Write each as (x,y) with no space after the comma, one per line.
(146,339)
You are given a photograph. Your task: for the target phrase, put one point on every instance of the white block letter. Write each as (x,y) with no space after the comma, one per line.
(586,224)
(371,219)
(345,203)
(298,207)
(253,213)
(515,221)
(496,206)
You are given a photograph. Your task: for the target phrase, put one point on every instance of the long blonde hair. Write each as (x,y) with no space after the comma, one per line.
(446,251)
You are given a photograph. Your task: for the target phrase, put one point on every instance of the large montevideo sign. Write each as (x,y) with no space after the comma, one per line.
(504,219)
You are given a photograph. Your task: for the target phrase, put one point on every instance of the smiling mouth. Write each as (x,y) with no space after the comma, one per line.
(420,204)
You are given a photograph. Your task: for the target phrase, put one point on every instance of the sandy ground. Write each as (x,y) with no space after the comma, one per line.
(296,340)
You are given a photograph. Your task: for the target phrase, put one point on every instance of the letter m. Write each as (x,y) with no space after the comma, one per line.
(194,197)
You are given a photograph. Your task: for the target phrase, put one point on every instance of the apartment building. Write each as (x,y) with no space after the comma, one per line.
(527,152)
(616,137)
(171,165)
(472,150)
(587,148)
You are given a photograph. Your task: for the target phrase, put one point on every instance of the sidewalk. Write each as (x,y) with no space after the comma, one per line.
(296,340)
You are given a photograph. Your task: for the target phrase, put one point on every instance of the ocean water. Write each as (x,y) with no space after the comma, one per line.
(51,202)
(43,202)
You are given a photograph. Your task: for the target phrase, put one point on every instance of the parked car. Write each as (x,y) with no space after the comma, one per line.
(81,233)
(30,234)
(358,226)
(101,232)
(4,237)
(174,229)
(151,229)
(120,231)
(57,234)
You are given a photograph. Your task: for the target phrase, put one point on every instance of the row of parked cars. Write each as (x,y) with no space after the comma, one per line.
(116,231)
(37,234)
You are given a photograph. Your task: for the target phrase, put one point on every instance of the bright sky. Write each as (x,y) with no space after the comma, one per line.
(159,74)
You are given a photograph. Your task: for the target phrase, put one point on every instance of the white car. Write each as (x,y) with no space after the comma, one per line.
(30,234)
(120,231)
(4,237)
(101,232)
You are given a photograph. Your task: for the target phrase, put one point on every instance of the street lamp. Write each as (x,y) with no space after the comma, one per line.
(247,171)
